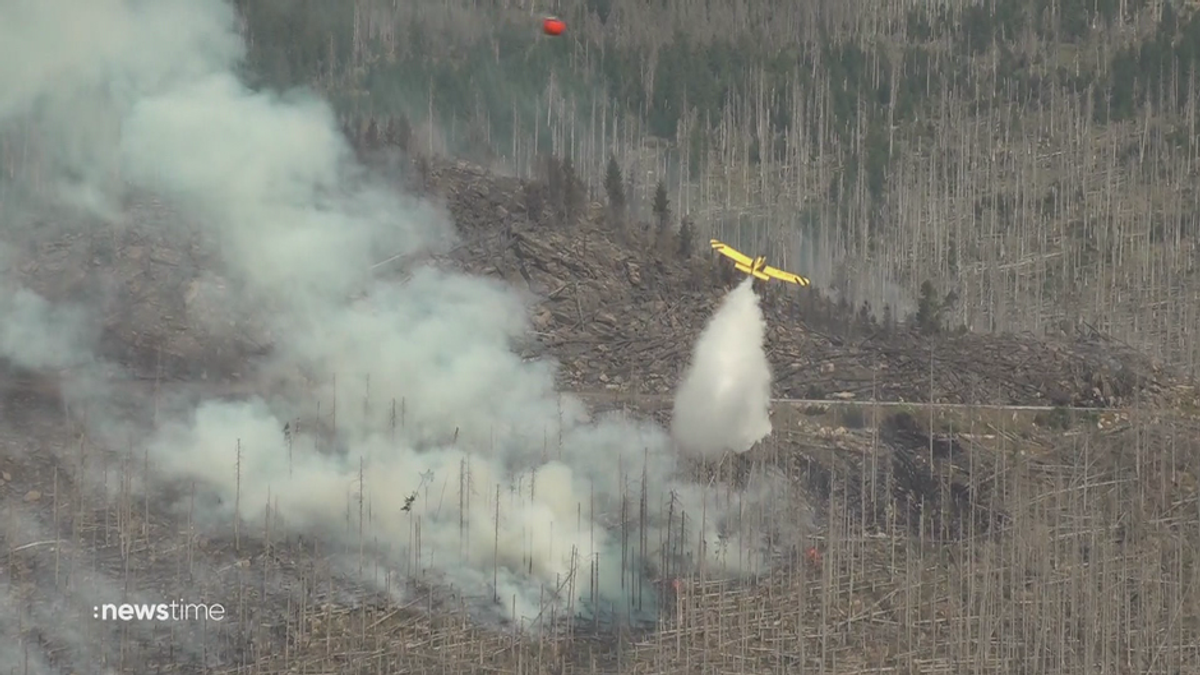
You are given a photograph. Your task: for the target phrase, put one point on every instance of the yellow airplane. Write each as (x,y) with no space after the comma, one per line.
(756,267)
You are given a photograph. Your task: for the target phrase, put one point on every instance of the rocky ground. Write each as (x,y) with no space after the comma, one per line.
(998,541)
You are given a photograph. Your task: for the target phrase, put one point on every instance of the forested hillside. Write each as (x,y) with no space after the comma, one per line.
(238,367)
(1036,158)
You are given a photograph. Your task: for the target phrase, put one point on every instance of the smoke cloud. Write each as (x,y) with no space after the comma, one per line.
(724,403)
(426,413)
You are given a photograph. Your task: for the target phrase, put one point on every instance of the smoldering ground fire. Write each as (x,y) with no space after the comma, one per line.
(295,226)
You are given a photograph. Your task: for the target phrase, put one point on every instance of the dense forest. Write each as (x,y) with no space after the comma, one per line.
(1035,159)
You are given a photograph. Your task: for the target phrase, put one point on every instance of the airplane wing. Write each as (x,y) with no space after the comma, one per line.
(730,252)
(785,276)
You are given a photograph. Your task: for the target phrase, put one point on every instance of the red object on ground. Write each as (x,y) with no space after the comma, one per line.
(553,26)
(813,555)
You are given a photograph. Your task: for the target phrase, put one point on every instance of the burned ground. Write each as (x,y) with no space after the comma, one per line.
(1066,541)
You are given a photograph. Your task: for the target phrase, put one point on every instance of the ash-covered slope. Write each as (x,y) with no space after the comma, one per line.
(615,310)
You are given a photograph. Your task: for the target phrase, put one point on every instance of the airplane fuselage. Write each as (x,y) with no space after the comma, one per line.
(755,268)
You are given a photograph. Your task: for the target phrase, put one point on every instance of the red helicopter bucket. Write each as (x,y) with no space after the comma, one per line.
(553,26)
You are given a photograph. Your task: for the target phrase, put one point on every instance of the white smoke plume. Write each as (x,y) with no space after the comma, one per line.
(127,96)
(33,332)
(724,402)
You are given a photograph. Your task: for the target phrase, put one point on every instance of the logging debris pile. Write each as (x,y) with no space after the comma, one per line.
(616,309)
(621,312)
